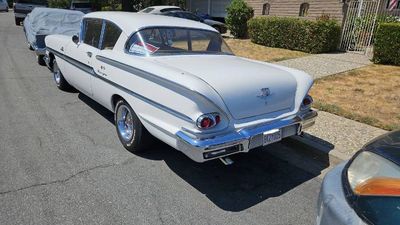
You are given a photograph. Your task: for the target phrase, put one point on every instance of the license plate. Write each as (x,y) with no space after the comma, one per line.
(272,136)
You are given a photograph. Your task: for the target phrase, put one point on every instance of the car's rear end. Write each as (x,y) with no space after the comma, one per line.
(46,21)
(3,6)
(23,7)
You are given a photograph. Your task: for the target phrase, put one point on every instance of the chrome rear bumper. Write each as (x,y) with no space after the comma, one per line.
(242,140)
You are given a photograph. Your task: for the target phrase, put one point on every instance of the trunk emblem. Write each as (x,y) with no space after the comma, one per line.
(265,92)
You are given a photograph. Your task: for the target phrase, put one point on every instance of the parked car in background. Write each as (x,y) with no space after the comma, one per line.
(3,6)
(45,21)
(84,6)
(158,9)
(220,27)
(23,7)
(150,71)
(366,189)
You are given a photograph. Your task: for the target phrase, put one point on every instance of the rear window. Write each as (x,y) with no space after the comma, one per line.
(169,9)
(175,41)
(147,10)
(37,2)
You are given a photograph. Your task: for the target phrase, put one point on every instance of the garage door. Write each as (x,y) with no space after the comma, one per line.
(218,7)
(199,6)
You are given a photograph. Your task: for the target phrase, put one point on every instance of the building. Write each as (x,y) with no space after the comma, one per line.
(214,8)
(309,9)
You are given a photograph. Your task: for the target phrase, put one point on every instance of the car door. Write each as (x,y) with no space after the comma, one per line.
(109,37)
(84,53)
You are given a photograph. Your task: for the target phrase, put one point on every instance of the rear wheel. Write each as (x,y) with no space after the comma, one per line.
(61,83)
(40,60)
(131,132)
(18,21)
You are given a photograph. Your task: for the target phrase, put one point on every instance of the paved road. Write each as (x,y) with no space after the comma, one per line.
(61,163)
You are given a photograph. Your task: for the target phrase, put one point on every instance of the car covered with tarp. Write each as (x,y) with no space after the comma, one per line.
(45,21)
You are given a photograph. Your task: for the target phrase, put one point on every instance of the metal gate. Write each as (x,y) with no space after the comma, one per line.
(359,26)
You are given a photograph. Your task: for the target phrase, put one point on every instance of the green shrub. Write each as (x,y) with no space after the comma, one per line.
(318,36)
(387,44)
(238,13)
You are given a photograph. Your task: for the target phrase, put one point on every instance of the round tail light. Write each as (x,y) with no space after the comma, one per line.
(307,101)
(210,120)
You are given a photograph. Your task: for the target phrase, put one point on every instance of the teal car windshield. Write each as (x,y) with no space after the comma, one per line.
(157,41)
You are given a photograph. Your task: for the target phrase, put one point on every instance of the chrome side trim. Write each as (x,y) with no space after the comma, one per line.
(147,100)
(159,80)
(86,68)
(91,71)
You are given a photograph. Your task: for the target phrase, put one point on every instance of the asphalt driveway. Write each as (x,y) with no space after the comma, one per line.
(61,163)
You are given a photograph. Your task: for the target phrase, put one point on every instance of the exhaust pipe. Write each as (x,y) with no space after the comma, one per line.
(226,161)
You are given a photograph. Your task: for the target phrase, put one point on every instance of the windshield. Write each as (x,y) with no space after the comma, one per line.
(175,41)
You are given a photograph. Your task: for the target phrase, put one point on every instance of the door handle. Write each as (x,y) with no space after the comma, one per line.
(89,54)
(102,67)
(62,49)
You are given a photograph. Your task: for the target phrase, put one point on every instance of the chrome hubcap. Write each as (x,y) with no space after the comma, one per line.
(125,123)
(57,74)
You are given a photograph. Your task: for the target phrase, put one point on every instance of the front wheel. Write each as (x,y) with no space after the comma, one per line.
(131,132)
(59,79)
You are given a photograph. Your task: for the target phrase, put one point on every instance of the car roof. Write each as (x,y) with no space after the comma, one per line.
(159,7)
(131,22)
(180,11)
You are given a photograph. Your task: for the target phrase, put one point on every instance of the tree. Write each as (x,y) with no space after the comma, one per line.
(238,13)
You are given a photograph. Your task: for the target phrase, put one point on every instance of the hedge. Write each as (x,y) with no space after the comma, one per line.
(387,44)
(296,34)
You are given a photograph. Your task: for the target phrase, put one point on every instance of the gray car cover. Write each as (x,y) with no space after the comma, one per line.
(45,21)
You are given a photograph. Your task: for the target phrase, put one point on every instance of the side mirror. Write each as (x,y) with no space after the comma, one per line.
(75,39)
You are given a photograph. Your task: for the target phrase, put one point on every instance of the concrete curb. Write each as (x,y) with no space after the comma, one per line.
(318,151)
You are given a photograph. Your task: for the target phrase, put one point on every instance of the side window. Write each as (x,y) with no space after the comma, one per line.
(191,17)
(111,35)
(92,31)
(147,10)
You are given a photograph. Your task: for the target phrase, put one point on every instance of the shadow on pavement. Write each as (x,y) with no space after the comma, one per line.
(253,178)
(107,114)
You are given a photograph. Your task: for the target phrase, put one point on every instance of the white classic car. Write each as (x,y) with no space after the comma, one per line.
(177,80)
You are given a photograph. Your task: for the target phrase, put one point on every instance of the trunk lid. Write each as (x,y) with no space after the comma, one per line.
(248,88)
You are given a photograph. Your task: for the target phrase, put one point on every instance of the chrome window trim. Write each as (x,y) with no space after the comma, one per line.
(84,20)
(177,27)
(104,30)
